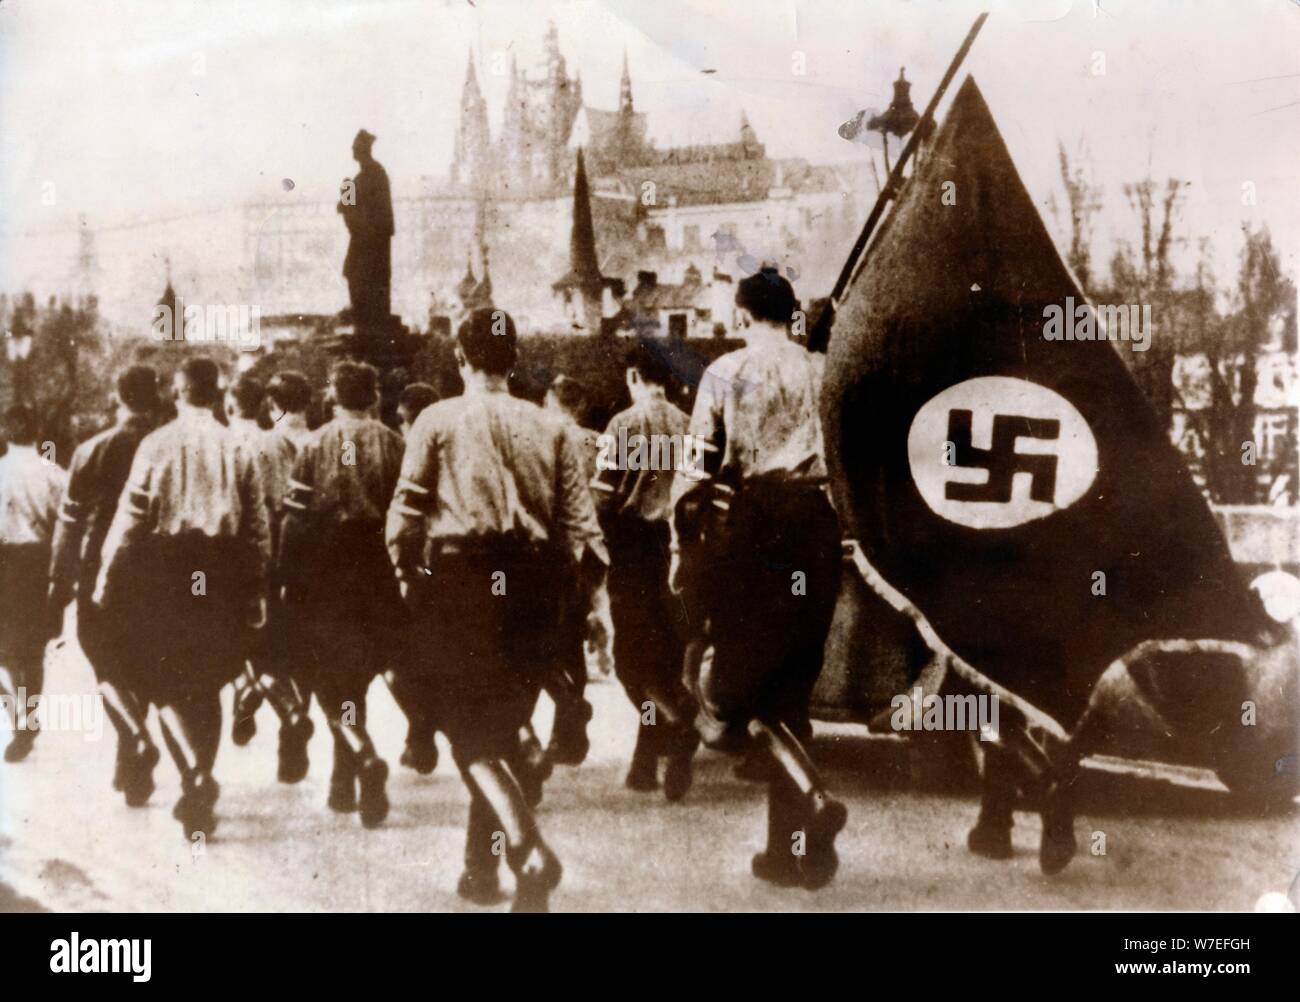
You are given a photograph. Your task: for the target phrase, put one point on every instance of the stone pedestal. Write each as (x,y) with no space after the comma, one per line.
(390,348)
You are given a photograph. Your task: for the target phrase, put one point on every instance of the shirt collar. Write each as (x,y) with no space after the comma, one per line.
(184,412)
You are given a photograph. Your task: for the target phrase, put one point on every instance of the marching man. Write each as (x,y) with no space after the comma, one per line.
(184,570)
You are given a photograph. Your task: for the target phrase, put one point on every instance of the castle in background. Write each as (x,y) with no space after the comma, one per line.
(672,220)
(546,118)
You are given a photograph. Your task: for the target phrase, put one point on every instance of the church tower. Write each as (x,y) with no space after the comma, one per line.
(625,90)
(471,160)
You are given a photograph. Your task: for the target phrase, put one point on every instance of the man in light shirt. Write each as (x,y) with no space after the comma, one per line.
(184,566)
(759,550)
(31,487)
(491,529)
(268,671)
(99,470)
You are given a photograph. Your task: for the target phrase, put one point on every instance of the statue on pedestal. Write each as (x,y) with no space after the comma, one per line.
(366,204)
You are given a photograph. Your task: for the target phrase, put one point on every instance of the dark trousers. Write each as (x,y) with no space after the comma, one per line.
(649,641)
(27,621)
(176,619)
(343,617)
(484,641)
(775,588)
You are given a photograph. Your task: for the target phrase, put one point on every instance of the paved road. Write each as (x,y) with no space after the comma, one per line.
(68,842)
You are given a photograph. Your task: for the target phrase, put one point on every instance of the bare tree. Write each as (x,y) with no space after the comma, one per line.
(1261,295)
(1084,200)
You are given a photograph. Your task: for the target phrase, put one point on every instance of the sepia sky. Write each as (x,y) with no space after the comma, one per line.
(145,108)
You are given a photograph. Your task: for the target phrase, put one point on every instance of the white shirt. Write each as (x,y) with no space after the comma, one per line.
(31,488)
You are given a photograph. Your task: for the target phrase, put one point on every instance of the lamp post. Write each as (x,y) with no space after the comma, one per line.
(899,118)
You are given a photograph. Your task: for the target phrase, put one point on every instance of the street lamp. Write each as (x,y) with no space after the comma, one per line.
(900,118)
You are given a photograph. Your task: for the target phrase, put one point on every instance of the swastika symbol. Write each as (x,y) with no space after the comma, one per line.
(1056,449)
(1001,459)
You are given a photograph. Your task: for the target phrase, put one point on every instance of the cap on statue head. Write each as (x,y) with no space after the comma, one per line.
(364,138)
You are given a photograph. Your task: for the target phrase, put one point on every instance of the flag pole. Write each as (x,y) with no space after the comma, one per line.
(857,255)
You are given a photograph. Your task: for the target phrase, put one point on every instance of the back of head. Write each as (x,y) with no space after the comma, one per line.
(290,391)
(19,425)
(355,385)
(571,395)
(248,394)
(648,358)
(767,296)
(488,341)
(137,388)
(415,397)
(200,382)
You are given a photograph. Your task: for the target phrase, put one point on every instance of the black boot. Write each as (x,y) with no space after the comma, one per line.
(137,780)
(1058,846)
(991,836)
(825,818)
(343,780)
(21,745)
(293,761)
(481,887)
(421,751)
(777,864)
(195,808)
(569,743)
(537,874)
(480,882)
(372,775)
(678,774)
(643,773)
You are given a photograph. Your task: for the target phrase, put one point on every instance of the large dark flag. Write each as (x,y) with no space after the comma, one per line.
(1013,484)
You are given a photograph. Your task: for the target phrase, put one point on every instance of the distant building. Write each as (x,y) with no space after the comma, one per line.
(691,308)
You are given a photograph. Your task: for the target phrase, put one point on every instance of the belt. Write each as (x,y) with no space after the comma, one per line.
(513,544)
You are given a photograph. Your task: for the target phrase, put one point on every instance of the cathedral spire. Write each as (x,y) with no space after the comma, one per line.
(471,153)
(625,88)
(471,89)
(555,68)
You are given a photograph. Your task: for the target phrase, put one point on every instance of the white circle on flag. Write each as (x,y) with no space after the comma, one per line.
(995,452)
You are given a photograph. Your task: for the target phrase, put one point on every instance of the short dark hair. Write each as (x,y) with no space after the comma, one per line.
(649,357)
(202,381)
(248,393)
(488,340)
(415,397)
(137,388)
(20,424)
(767,295)
(356,385)
(290,391)
(571,394)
